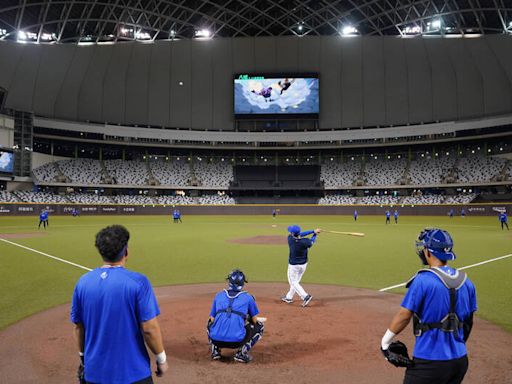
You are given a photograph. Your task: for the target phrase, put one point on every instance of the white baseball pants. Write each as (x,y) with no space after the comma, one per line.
(295,273)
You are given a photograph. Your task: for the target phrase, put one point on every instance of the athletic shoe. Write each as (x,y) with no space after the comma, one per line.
(215,352)
(243,357)
(306,301)
(286,300)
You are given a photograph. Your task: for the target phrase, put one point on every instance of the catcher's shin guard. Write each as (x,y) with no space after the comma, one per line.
(256,334)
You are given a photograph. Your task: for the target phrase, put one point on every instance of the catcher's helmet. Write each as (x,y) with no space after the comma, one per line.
(294,229)
(438,242)
(236,280)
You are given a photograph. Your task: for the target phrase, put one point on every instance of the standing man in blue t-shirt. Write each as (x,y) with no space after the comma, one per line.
(450,213)
(42,219)
(355,215)
(233,321)
(115,315)
(298,245)
(503,220)
(463,213)
(395,214)
(388,216)
(441,301)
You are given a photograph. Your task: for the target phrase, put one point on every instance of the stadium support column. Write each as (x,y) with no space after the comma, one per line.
(23,139)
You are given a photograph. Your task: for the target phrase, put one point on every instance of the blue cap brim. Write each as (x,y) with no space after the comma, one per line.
(443,256)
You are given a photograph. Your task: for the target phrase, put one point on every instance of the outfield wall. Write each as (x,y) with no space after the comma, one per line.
(13,209)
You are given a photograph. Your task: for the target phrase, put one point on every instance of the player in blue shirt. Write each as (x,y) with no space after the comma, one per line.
(42,219)
(395,214)
(233,321)
(355,215)
(503,220)
(75,212)
(115,315)
(463,213)
(441,301)
(388,216)
(298,245)
(274,213)
(450,213)
(175,216)
(179,216)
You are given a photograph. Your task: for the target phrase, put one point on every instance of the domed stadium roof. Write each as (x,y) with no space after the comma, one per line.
(121,20)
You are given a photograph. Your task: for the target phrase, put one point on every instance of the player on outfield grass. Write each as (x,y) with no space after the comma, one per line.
(388,216)
(233,321)
(395,214)
(503,217)
(450,213)
(441,301)
(43,219)
(463,213)
(299,245)
(355,215)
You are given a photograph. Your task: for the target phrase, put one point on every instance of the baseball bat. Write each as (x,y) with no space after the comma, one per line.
(359,234)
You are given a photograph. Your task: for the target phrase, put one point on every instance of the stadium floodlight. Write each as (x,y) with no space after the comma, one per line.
(141,35)
(300,27)
(348,30)
(203,33)
(412,30)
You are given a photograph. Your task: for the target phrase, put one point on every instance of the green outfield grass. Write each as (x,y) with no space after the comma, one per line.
(197,251)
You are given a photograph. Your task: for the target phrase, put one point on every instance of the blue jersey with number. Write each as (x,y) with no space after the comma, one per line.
(111,304)
(503,217)
(230,327)
(430,299)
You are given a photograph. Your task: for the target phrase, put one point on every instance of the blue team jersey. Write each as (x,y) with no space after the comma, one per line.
(111,303)
(396,214)
(298,250)
(230,327)
(503,218)
(42,216)
(430,299)
(388,215)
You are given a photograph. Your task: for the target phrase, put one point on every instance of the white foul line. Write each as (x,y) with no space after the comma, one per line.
(47,255)
(466,267)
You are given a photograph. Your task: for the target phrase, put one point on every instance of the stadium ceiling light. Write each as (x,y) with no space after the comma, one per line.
(3,32)
(300,27)
(348,30)
(203,33)
(141,35)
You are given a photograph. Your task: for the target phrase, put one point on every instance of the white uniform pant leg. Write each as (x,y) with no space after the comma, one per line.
(295,273)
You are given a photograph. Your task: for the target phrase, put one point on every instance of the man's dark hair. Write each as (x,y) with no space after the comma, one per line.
(111,242)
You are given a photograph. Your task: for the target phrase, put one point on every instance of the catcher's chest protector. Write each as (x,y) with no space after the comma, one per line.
(451,322)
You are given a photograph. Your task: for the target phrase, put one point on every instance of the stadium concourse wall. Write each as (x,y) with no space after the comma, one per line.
(17,209)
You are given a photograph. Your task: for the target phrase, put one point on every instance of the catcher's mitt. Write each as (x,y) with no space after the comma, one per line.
(397,355)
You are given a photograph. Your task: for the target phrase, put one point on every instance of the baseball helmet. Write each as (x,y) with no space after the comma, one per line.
(236,280)
(294,229)
(438,242)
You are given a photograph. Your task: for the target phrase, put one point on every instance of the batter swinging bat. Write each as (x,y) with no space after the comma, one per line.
(345,233)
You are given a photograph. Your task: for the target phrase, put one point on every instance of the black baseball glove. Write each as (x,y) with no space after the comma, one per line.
(397,355)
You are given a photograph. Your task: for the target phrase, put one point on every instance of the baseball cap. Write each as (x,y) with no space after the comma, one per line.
(438,242)
(294,229)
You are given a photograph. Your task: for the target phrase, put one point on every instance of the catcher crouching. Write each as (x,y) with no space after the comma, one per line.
(233,321)
(441,301)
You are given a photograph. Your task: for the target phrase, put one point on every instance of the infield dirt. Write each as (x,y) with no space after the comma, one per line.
(336,339)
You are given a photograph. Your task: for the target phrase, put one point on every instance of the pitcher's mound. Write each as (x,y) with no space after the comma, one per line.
(335,339)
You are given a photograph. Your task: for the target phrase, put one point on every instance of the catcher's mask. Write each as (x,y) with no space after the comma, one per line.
(438,242)
(236,280)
